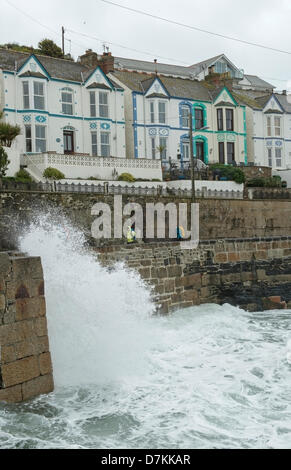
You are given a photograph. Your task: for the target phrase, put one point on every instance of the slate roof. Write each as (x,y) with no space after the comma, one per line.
(62,69)
(258,82)
(179,87)
(121,63)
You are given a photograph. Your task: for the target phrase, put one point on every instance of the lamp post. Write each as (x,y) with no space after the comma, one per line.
(192,154)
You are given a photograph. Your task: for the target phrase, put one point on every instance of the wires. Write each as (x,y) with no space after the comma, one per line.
(194,28)
(151,54)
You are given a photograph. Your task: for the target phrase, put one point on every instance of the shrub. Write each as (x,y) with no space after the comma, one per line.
(126,177)
(156,180)
(23,176)
(230,172)
(274,182)
(4,162)
(53,174)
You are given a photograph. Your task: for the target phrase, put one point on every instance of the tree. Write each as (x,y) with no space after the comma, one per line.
(53,174)
(161,149)
(4,162)
(50,48)
(8,133)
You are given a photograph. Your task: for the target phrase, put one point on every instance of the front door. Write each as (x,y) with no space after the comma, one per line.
(68,142)
(200,151)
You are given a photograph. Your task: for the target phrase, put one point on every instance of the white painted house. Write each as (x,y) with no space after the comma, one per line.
(157,111)
(61,106)
(272,131)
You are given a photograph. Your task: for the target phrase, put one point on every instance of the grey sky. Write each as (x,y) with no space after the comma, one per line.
(261,21)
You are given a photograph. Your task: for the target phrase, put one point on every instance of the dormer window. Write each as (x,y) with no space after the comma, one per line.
(67,101)
(38,93)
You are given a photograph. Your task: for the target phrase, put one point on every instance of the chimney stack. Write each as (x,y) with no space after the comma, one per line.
(89,59)
(107,62)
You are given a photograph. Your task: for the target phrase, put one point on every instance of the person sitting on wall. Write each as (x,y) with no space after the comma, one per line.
(179,234)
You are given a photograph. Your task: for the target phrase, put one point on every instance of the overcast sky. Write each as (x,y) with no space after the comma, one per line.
(261,21)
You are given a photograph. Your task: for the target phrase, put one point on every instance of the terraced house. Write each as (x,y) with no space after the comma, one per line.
(157,111)
(61,106)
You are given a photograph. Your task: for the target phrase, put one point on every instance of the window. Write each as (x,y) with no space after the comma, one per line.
(220,119)
(40,139)
(103,104)
(185,110)
(162,112)
(230,153)
(163,144)
(229,120)
(93,112)
(38,91)
(277,122)
(221,152)
(199,121)
(278,155)
(69,142)
(67,102)
(94,143)
(200,151)
(270,157)
(269,126)
(153,142)
(105,144)
(28,140)
(152,112)
(186,150)
(25,86)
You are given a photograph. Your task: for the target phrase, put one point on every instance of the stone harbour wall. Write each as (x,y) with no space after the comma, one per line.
(241,272)
(219,218)
(25,361)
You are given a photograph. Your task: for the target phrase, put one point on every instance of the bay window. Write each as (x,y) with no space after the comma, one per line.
(25,88)
(105,144)
(152,112)
(278,155)
(103,105)
(93,112)
(230,153)
(220,119)
(38,94)
(277,125)
(28,139)
(40,139)
(162,112)
(229,120)
(94,143)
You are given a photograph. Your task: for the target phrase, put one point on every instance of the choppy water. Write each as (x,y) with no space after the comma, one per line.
(207,377)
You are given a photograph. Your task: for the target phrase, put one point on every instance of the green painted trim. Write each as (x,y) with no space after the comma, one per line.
(199,105)
(229,94)
(32,56)
(206,150)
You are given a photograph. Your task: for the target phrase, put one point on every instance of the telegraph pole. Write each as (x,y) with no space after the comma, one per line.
(63,40)
(192,156)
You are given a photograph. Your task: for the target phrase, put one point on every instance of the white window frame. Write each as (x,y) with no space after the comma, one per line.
(165,151)
(186,150)
(40,139)
(185,118)
(38,96)
(152,112)
(278,158)
(26,95)
(106,146)
(103,106)
(162,113)
(153,148)
(66,92)
(93,104)
(270,157)
(277,128)
(94,143)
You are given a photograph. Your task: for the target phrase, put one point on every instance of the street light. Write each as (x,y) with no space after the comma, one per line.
(192,154)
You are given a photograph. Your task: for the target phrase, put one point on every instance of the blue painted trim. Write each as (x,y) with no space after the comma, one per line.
(176,98)
(181,105)
(30,111)
(134,103)
(277,101)
(32,56)
(162,85)
(182,129)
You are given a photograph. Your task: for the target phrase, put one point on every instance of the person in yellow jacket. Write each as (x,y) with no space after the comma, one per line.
(131,235)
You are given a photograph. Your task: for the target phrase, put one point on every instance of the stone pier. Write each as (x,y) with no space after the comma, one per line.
(25,361)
